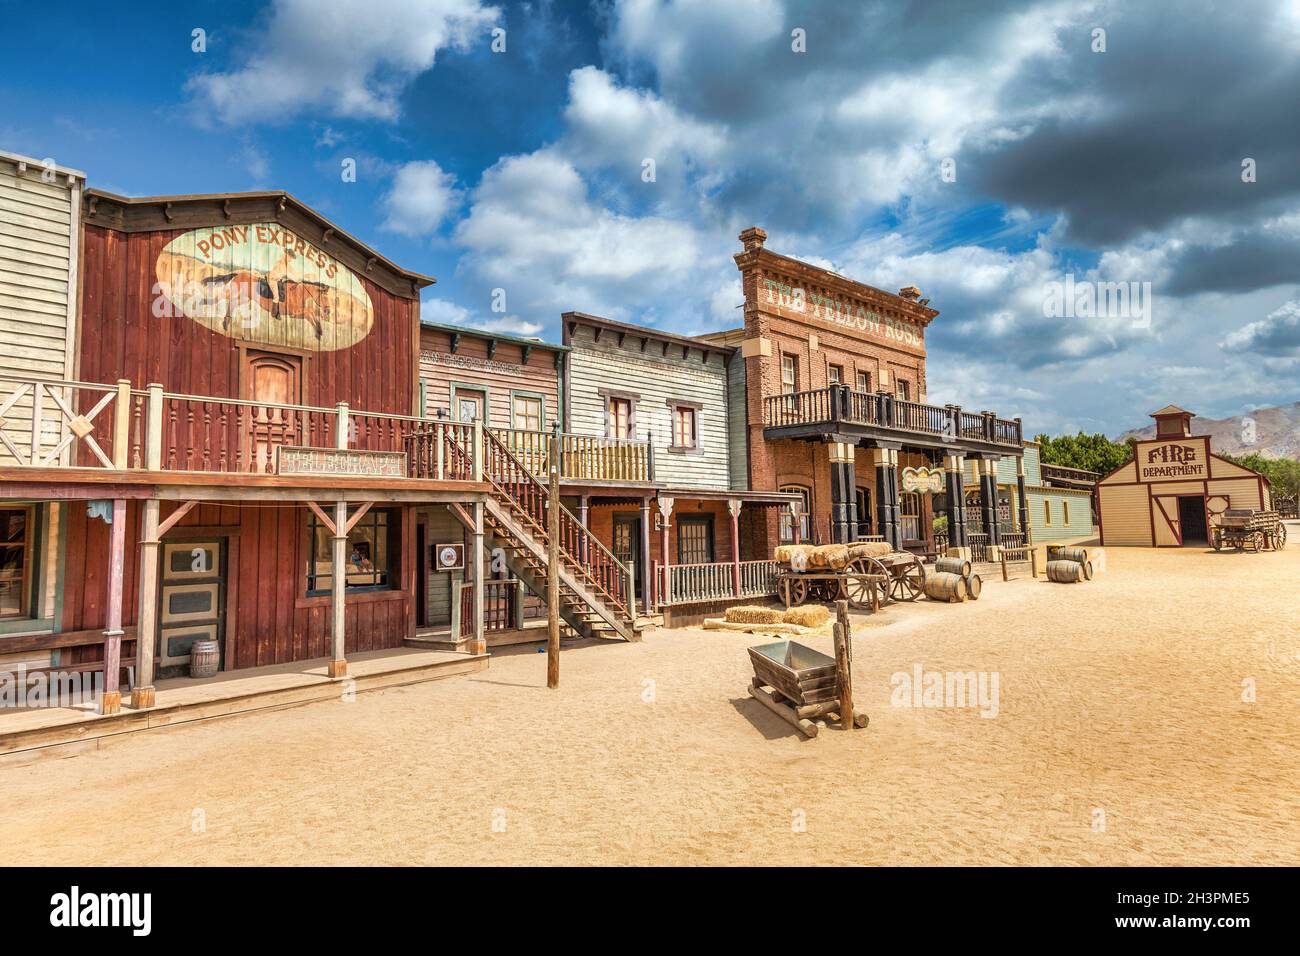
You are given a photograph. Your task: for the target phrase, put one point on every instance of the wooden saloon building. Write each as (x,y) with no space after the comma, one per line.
(244,440)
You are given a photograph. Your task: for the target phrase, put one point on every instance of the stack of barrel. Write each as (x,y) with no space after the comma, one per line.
(1068,565)
(952,580)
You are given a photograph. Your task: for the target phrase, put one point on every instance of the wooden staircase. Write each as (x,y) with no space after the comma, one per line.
(596,591)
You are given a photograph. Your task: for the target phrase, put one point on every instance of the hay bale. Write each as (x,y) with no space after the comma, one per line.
(832,556)
(807,615)
(752,614)
(797,556)
(870,549)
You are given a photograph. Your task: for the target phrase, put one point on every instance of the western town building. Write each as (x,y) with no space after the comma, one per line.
(223,420)
(1169,494)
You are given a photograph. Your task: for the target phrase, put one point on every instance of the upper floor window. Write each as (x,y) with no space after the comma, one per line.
(789,375)
(835,374)
(685,426)
(904,391)
(15,561)
(864,381)
(527,413)
(1065,512)
(619,421)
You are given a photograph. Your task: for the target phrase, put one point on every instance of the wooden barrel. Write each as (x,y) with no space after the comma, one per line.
(953,565)
(945,586)
(1065,572)
(1087,570)
(205,658)
(973,585)
(1079,555)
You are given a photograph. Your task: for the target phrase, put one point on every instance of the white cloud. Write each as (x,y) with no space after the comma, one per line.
(352,58)
(420,200)
(446,312)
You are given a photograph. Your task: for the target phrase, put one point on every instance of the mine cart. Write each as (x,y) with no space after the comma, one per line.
(1247,529)
(866,574)
(798,684)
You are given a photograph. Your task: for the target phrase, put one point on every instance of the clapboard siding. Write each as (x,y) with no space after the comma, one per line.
(441,527)
(654,377)
(38,260)
(1126,514)
(505,372)
(737,442)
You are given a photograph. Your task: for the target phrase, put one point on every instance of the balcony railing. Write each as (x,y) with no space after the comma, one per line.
(716,581)
(837,404)
(582,457)
(66,424)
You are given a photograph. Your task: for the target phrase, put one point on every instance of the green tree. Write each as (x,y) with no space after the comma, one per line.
(1282,473)
(1089,452)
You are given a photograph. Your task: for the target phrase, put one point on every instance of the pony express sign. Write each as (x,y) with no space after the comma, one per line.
(1173,459)
(923,480)
(335,462)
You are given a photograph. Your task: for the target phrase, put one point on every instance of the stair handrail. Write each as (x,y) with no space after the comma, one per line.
(588,537)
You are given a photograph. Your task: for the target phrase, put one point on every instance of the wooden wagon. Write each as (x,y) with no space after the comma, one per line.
(868,578)
(1247,529)
(798,684)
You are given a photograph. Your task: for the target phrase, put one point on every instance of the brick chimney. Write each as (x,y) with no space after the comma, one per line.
(753,238)
(910,292)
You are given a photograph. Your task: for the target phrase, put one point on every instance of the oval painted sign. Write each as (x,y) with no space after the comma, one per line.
(262,283)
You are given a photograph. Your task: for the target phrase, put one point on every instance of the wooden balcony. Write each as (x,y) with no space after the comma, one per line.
(839,410)
(53,430)
(583,458)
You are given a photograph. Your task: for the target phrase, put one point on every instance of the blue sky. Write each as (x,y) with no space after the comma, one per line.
(524,170)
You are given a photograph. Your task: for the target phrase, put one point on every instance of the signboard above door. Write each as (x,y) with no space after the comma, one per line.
(333,462)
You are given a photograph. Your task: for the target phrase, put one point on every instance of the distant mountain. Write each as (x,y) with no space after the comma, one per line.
(1276,432)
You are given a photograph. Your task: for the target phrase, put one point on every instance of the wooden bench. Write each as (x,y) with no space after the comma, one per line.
(66,639)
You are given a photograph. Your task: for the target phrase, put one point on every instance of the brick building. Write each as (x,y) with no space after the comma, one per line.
(834,380)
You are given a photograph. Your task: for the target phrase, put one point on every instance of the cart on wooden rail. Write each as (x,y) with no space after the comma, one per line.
(798,684)
(866,574)
(1247,529)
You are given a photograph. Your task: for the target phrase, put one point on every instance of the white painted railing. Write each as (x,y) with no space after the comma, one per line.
(716,581)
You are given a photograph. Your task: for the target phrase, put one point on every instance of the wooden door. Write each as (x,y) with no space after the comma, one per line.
(271,379)
(191,601)
(627,543)
(470,405)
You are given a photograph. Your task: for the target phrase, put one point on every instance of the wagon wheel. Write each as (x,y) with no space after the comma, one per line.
(798,591)
(1279,537)
(1257,541)
(785,592)
(854,589)
(909,581)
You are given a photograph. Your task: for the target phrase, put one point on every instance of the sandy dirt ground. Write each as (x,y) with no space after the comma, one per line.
(1122,736)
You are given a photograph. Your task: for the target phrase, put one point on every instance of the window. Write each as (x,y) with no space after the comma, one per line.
(619,422)
(1065,512)
(527,413)
(1047,513)
(15,561)
(909,515)
(371,553)
(835,374)
(863,496)
(904,391)
(684,426)
(695,539)
(789,375)
(470,404)
(864,381)
(787,520)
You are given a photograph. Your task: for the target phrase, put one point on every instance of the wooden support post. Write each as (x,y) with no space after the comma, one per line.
(338,664)
(146,632)
(647,590)
(122,425)
(1004,566)
(110,702)
(665,515)
(553,564)
(478,558)
(733,508)
(844,663)
(341,425)
(1033,562)
(457,579)
(153,428)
